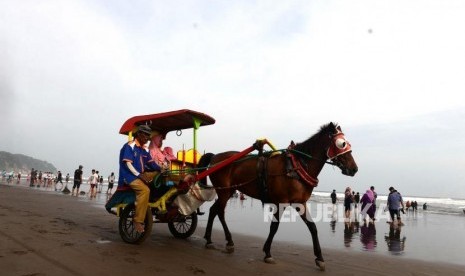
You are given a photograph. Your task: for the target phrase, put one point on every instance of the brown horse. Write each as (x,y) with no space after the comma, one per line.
(280,178)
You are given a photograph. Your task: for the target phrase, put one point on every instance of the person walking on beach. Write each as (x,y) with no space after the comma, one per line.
(93,179)
(98,177)
(357,199)
(59,179)
(348,200)
(375,195)
(367,205)
(394,203)
(77,180)
(111,182)
(134,160)
(100,186)
(333,197)
(32,178)
(40,178)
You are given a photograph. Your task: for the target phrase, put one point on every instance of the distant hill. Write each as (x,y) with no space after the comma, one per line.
(15,162)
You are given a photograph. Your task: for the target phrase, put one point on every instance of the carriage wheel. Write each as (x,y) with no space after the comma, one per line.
(182,226)
(126,228)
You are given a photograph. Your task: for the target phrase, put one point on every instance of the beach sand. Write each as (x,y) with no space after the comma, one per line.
(46,233)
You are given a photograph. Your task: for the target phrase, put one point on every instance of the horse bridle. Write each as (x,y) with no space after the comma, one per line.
(339,146)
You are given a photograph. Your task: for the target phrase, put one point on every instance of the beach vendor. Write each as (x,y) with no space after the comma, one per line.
(137,169)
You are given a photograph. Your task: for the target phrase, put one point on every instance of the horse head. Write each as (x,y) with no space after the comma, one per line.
(339,151)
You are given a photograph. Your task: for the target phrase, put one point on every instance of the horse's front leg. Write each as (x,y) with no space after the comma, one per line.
(227,233)
(267,246)
(208,231)
(316,243)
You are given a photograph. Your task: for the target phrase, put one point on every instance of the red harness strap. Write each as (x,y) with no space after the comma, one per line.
(302,173)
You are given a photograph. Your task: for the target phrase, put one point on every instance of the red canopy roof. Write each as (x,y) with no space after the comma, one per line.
(167,121)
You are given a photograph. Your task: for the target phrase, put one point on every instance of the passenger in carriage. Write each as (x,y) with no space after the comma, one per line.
(169,155)
(163,158)
(134,161)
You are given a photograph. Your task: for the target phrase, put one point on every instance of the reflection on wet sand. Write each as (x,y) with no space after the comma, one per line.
(367,233)
(332,224)
(350,228)
(365,229)
(368,236)
(396,244)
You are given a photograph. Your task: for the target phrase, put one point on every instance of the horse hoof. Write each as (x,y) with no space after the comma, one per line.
(210,246)
(320,264)
(270,260)
(229,249)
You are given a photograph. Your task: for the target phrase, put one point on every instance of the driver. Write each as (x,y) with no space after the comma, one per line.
(137,169)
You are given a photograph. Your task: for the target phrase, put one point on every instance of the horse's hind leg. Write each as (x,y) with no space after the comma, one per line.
(208,231)
(267,246)
(316,243)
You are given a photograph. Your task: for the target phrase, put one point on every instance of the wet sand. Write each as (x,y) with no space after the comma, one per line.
(46,233)
(424,236)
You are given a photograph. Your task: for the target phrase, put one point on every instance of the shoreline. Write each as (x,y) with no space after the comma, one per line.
(43,233)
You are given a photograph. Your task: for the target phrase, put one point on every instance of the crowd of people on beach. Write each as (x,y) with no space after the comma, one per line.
(366,204)
(56,181)
(365,209)
(130,173)
(95,182)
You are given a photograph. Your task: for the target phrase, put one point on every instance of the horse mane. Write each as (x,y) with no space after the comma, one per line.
(316,141)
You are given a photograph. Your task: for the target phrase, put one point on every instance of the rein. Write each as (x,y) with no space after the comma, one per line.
(231,187)
(308,156)
(299,153)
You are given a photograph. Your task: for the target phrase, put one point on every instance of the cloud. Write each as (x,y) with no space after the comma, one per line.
(422,155)
(74,71)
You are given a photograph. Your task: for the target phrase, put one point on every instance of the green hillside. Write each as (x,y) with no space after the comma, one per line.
(15,162)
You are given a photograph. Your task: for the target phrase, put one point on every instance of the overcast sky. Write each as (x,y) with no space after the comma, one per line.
(390,72)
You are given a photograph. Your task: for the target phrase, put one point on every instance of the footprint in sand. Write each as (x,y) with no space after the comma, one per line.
(132,261)
(20,252)
(67,221)
(38,228)
(196,270)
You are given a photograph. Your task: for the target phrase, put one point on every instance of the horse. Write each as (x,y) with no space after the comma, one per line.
(285,177)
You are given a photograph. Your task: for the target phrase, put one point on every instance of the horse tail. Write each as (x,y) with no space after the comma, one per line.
(203,164)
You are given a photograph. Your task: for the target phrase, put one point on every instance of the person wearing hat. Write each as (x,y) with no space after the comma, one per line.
(394,203)
(137,169)
(77,180)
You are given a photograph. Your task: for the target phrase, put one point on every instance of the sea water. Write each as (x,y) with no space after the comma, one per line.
(438,205)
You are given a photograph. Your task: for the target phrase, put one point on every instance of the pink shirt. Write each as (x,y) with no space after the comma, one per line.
(157,155)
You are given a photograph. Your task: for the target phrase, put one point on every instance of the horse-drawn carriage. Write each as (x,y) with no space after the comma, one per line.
(181,218)
(285,176)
